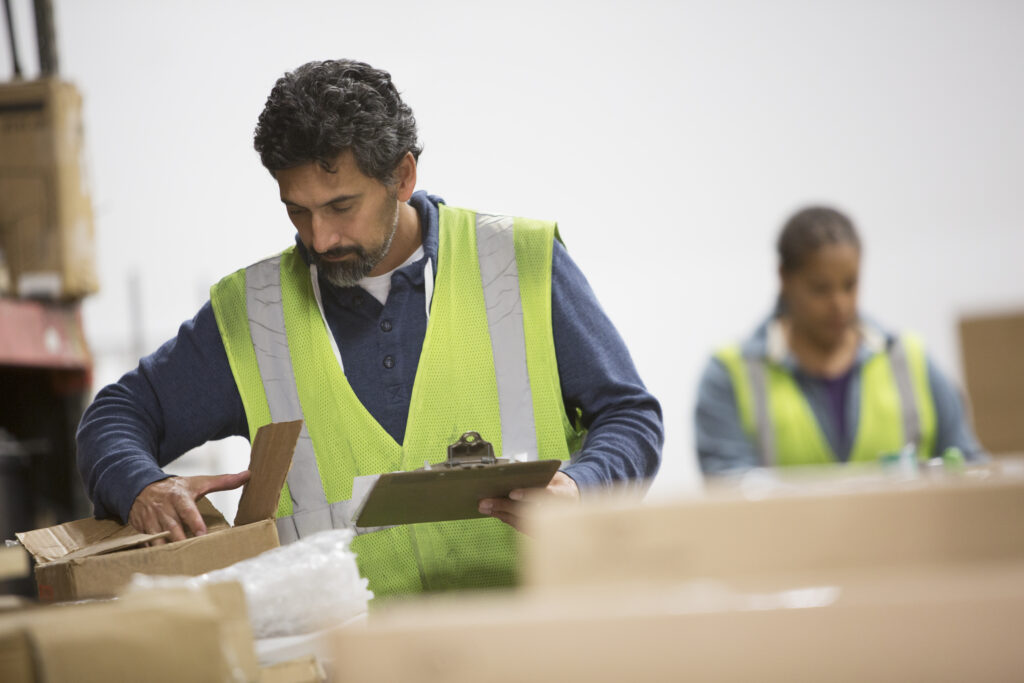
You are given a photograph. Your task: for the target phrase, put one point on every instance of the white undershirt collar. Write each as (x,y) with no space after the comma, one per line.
(378,286)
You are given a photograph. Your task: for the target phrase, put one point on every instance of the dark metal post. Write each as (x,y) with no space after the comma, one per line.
(14,43)
(46,36)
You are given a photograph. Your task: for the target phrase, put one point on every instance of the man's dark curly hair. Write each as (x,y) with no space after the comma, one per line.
(323,108)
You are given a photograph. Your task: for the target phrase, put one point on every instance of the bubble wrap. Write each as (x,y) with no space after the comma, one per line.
(304,586)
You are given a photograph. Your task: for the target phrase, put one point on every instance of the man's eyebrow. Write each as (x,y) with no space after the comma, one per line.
(334,200)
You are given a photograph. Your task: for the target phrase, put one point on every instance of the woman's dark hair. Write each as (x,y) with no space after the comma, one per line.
(809,230)
(323,108)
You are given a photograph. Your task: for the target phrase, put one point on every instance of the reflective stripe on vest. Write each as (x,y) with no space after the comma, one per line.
(265,309)
(496,251)
(901,370)
(500,281)
(765,433)
(913,431)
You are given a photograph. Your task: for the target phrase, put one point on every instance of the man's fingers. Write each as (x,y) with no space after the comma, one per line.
(153,527)
(202,485)
(172,524)
(154,522)
(527,495)
(488,506)
(170,504)
(190,515)
(510,519)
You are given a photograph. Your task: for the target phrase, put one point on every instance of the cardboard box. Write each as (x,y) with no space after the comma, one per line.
(304,670)
(849,574)
(946,626)
(46,218)
(993,365)
(167,635)
(91,558)
(780,528)
(14,563)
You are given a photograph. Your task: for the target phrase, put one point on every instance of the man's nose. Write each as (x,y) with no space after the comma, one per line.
(325,237)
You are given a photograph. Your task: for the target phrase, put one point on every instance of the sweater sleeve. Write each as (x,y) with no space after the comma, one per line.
(625,432)
(722,445)
(952,427)
(179,397)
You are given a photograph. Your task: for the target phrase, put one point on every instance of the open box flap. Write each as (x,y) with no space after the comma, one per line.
(269,462)
(73,538)
(88,537)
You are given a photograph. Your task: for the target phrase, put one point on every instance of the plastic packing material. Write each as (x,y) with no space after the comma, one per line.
(301,587)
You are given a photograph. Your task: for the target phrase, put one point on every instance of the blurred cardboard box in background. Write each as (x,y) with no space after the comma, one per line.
(955,626)
(776,528)
(840,574)
(46,218)
(992,347)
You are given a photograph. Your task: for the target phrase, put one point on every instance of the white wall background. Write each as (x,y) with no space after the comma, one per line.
(669,139)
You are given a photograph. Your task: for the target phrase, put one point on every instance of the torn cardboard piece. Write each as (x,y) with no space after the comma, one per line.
(91,558)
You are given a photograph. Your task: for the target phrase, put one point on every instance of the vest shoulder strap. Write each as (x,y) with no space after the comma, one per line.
(750,386)
(910,372)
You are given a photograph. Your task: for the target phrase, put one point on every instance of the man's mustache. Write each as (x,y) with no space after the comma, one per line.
(338,252)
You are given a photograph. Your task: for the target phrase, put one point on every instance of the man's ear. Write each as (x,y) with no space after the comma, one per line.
(405,177)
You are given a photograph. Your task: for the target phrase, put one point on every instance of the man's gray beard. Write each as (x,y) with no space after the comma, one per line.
(349,273)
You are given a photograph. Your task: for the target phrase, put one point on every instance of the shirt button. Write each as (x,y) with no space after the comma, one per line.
(385,325)
(389,362)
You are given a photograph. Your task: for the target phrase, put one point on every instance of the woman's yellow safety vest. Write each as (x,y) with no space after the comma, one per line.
(487,365)
(896,407)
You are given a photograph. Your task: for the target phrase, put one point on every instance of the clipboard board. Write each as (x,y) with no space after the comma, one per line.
(450,490)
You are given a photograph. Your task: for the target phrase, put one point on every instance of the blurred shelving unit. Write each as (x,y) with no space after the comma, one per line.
(46,269)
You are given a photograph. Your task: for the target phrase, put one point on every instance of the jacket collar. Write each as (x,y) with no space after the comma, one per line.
(768,342)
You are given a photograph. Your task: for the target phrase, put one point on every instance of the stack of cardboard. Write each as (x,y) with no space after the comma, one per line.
(46,220)
(863,578)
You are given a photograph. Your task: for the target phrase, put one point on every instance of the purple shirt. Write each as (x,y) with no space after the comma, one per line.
(837,390)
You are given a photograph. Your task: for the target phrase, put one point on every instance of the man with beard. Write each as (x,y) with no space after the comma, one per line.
(392,326)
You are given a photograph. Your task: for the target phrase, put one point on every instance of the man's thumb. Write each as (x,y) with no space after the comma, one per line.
(202,485)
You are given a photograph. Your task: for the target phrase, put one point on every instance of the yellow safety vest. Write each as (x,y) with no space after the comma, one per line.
(487,365)
(896,407)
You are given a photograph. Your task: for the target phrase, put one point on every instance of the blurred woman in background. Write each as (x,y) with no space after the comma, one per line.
(818,383)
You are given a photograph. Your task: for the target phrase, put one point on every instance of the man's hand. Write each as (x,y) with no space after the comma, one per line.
(510,510)
(170,504)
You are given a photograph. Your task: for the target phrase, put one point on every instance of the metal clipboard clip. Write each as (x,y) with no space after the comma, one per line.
(469,452)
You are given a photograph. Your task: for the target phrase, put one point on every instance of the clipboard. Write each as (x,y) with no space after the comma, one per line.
(450,490)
